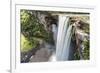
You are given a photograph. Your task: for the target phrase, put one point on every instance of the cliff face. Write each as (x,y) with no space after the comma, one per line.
(82,37)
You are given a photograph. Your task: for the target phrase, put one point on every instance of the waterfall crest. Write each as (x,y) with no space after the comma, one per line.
(63,39)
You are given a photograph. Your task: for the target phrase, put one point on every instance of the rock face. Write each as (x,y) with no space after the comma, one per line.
(41,55)
(45,18)
(81,36)
(25,56)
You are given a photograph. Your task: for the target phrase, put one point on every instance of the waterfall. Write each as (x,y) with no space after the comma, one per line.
(54,30)
(66,45)
(63,39)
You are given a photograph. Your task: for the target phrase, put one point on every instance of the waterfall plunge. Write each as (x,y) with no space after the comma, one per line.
(63,39)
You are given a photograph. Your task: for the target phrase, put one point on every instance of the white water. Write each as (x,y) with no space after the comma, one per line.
(65,51)
(53,57)
(63,39)
(55,31)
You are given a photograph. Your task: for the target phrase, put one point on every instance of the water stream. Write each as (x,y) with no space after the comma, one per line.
(63,39)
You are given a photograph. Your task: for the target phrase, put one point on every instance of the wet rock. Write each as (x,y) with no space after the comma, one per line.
(41,55)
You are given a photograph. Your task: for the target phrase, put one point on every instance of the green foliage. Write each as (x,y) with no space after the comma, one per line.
(86,29)
(76,56)
(24,17)
(32,30)
(86,52)
(26,45)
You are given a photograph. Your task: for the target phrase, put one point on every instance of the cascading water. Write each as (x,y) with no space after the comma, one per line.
(54,30)
(63,39)
(66,46)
